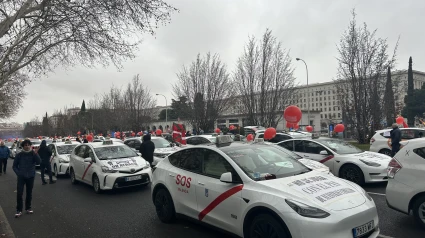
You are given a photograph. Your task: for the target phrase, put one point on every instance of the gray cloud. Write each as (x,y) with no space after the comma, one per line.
(309,29)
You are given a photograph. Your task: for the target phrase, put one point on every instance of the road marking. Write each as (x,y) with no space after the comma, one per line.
(5,228)
(383,236)
(380,194)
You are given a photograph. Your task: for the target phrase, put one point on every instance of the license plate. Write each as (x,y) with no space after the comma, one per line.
(133,178)
(363,229)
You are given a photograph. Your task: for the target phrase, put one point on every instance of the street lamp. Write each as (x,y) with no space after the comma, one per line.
(308,93)
(166,105)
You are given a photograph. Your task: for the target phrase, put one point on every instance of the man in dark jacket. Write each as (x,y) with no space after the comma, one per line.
(45,155)
(4,156)
(147,148)
(395,139)
(24,167)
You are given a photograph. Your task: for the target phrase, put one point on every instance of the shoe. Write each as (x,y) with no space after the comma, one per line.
(52,182)
(30,211)
(44,183)
(18,214)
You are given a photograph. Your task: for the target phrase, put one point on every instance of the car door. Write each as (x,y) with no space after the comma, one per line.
(181,177)
(89,166)
(78,161)
(52,148)
(312,150)
(219,203)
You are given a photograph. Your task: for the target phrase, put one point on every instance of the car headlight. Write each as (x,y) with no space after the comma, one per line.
(147,165)
(370,163)
(306,210)
(106,169)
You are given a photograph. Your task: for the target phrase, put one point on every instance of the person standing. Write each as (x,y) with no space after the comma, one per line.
(395,139)
(24,168)
(4,156)
(45,155)
(147,148)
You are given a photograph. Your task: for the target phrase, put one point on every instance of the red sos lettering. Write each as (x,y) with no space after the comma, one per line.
(183,181)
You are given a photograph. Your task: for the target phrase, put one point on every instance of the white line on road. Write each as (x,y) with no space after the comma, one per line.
(380,194)
(382,236)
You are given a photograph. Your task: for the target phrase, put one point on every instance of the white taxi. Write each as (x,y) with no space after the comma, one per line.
(108,166)
(60,156)
(343,159)
(258,190)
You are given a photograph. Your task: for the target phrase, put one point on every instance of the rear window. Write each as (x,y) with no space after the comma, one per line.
(420,152)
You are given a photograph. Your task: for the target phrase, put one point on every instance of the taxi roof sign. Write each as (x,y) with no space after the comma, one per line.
(259,140)
(223,140)
(107,142)
(68,142)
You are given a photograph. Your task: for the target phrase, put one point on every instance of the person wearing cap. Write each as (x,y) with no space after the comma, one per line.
(4,156)
(24,168)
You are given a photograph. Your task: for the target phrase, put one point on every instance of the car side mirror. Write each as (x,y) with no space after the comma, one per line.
(323,152)
(88,160)
(226,177)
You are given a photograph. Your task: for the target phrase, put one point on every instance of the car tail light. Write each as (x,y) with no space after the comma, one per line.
(393,167)
(372,140)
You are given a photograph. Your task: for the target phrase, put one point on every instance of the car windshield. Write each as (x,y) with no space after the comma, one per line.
(259,160)
(212,139)
(114,152)
(161,142)
(65,149)
(340,147)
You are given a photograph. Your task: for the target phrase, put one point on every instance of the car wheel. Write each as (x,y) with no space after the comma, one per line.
(96,184)
(385,152)
(352,173)
(419,211)
(164,206)
(55,169)
(73,179)
(265,225)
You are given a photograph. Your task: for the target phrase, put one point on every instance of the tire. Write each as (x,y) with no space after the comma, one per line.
(352,173)
(265,225)
(55,169)
(418,209)
(96,184)
(164,206)
(73,179)
(385,152)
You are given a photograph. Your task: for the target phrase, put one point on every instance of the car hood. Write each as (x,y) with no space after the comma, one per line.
(65,157)
(314,165)
(319,190)
(125,164)
(370,156)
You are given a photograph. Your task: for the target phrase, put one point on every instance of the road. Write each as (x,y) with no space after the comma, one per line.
(66,210)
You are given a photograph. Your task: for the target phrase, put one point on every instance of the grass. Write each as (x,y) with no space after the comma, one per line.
(361,146)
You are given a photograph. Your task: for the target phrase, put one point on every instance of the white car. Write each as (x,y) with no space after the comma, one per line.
(107,166)
(406,188)
(60,156)
(343,159)
(162,147)
(379,142)
(201,139)
(257,190)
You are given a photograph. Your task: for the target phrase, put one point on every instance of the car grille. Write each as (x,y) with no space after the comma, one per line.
(122,183)
(129,172)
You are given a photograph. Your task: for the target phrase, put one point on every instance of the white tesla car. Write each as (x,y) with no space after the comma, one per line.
(258,190)
(343,159)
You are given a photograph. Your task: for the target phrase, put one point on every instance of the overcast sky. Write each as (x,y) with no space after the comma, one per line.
(309,29)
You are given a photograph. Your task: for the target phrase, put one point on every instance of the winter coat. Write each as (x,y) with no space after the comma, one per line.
(45,153)
(24,164)
(4,152)
(395,136)
(147,148)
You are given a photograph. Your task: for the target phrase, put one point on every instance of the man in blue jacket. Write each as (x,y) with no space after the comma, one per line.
(4,156)
(24,167)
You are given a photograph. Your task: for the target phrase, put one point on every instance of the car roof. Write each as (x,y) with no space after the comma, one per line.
(415,142)
(63,143)
(100,145)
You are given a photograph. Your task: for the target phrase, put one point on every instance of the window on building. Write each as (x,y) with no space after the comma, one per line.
(326,115)
(324,92)
(325,109)
(339,115)
(321,116)
(325,103)
(320,98)
(334,97)
(329,92)
(329,97)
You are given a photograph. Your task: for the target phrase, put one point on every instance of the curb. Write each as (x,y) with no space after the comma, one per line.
(4,226)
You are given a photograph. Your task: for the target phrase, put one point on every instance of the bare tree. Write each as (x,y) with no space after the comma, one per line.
(206,77)
(264,79)
(12,95)
(362,62)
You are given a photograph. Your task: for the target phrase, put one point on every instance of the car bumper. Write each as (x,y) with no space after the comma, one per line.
(398,196)
(338,225)
(63,168)
(375,174)
(118,180)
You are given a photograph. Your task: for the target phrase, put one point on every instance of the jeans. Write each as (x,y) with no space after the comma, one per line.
(29,183)
(43,167)
(3,163)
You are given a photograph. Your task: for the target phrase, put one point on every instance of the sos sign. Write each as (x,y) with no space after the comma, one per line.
(183,181)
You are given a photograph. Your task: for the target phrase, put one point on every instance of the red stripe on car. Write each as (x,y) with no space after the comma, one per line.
(219,200)
(86,171)
(326,159)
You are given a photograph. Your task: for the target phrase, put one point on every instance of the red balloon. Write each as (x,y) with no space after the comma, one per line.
(231,127)
(39,137)
(292,114)
(399,120)
(217,130)
(139,133)
(296,126)
(339,128)
(269,133)
(158,132)
(249,137)
(79,132)
(89,138)
(309,128)
(133,134)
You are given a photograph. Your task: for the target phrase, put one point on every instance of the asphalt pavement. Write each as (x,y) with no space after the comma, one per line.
(66,210)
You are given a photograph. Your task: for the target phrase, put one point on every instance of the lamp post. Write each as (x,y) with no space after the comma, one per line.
(308,93)
(166,105)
